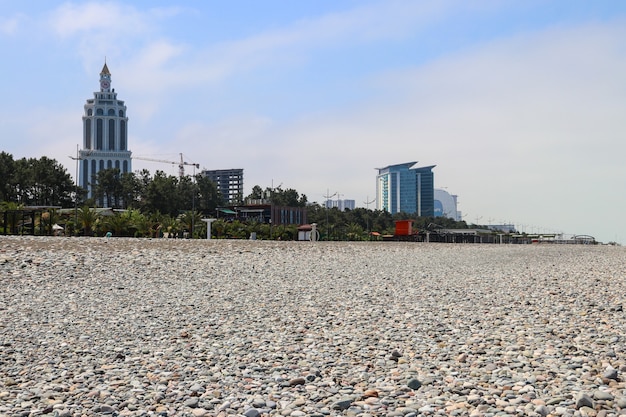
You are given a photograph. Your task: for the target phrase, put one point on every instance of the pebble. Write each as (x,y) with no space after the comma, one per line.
(168,327)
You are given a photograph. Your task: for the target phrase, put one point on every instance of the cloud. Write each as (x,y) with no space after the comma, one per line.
(510,125)
(114,19)
(295,43)
(111,29)
(291,45)
(9,26)
(174,66)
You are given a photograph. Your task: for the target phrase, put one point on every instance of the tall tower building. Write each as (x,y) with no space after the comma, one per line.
(401,188)
(229,183)
(105,135)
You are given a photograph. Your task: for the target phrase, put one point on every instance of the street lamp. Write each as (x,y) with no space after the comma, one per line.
(327,203)
(77,158)
(367,213)
(193,199)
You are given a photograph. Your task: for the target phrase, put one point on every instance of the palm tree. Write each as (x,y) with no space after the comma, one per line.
(189,220)
(87,218)
(119,223)
(169,225)
(143,224)
(354,232)
(47,220)
(219,227)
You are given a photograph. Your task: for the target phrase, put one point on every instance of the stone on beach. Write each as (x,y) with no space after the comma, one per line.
(163,327)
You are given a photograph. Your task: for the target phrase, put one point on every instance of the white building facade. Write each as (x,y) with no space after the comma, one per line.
(342,205)
(105,135)
(446,205)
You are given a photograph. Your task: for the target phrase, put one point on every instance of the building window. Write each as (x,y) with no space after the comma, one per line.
(123,135)
(125,166)
(121,113)
(109,164)
(93,172)
(89,112)
(99,112)
(99,134)
(111,134)
(85,176)
(111,112)
(88,134)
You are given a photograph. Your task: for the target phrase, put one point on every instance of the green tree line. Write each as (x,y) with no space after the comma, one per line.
(165,205)
(34,182)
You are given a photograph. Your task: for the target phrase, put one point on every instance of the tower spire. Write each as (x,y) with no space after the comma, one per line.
(105,69)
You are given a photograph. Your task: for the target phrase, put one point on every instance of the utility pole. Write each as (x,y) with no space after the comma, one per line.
(367,203)
(193,197)
(77,158)
(327,197)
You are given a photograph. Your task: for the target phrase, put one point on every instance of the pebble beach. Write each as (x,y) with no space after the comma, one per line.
(164,327)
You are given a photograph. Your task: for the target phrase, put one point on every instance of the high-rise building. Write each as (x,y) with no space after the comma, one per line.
(105,135)
(401,188)
(446,205)
(229,183)
(342,205)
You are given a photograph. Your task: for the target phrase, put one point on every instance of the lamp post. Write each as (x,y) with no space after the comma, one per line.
(272,191)
(77,158)
(367,203)
(327,203)
(193,200)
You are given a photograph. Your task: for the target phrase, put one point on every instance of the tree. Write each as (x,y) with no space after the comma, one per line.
(209,197)
(256,194)
(47,220)
(42,182)
(288,197)
(130,190)
(143,224)
(87,218)
(119,223)
(161,194)
(12,219)
(354,231)
(190,220)
(7,173)
(187,193)
(108,187)
(279,197)
(169,225)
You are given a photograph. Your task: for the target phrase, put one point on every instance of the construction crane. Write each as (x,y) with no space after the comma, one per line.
(181,164)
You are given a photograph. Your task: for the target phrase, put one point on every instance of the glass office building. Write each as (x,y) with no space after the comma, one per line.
(402,188)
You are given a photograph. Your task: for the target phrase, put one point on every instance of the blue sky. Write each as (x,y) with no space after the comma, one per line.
(521,105)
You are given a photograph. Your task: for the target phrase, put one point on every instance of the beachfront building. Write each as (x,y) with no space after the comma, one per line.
(105,135)
(342,205)
(446,205)
(402,188)
(229,183)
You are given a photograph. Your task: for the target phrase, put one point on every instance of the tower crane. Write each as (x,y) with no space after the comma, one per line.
(181,164)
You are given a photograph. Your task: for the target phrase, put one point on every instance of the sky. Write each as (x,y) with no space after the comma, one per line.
(521,105)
